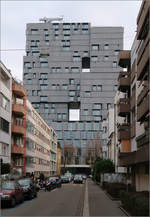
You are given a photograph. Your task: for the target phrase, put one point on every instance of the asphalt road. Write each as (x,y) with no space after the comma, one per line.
(65,201)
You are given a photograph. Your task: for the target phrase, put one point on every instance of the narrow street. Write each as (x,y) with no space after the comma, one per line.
(70,200)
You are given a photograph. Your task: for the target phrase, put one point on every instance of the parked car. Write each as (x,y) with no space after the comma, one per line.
(58,182)
(64,179)
(11,193)
(84,177)
(78,179)
(29,188)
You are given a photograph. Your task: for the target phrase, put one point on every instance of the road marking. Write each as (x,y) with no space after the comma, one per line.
(86,201)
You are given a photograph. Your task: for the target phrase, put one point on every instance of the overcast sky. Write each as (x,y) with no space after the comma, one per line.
(16,14)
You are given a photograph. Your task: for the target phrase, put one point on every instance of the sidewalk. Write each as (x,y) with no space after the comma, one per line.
(100,204)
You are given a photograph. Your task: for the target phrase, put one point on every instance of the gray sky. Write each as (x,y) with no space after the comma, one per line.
(16,14)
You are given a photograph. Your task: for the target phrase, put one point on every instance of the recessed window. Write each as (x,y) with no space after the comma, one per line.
(95,47)
(87,93)
(35,53)
(66,48)
(47,42)
(115,87)
(43,86)
(71,81)
(67,69)
(116,52)
(85,112)
(43,75)
(106,58)
(59,116)
(67,37)
(97,106)
(106,46)
(96,126)
(94,58)
(76,58)
(34,31)
(75,31)
(72,93)
(85,31)
(58,69)
(29,81)
(34,93)
(75,69)
(75,53)
(64,116)
(43,98)
(85,53)
(108,106)
(114,64)
(88,126)
(78,86)
(96,112)
(27,64)
(64,86)
(44,65)
(54,86)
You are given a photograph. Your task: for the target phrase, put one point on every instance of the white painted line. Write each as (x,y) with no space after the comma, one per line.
(86,201)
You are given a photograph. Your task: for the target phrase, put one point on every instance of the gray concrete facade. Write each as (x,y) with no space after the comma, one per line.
(58,77)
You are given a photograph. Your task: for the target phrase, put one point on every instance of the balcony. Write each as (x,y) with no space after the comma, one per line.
(133,71)
(19,129)
(143,139)
(19,109)
(123,132)
(143,64)
(123,81)
(133,129)
(143,93)
(131,158)
(143,13)
(143,109)
(123,107)
(18,89)
(124,58)
(15,149)
(133,100)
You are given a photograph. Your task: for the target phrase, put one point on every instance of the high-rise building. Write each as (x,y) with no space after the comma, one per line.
(70,73)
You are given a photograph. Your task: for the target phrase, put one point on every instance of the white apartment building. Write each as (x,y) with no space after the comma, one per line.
(41,145)
(5,113)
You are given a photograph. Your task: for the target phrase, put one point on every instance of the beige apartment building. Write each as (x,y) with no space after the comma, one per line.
(41,145)
(5,113)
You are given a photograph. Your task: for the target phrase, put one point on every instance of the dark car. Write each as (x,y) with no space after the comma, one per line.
(64,179)
(11,193)
(78,179)
(29,188)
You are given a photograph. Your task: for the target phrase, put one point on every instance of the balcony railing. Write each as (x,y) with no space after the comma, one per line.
(143,108)
(143,93)
(123,81)
(132,158)
(19,109)
(133,129)
(133,100)
(124,58)
(124,132)
(19,89)
(143,139)
(19,129)
(141,17)
(123,107)
(141,67)
(15,149)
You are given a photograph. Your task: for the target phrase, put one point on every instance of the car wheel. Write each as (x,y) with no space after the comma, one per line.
(13,202)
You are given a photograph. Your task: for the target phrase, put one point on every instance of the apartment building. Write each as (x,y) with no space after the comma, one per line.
(135,107)
(41,145)
(18,130)
(5,113)
(72,68)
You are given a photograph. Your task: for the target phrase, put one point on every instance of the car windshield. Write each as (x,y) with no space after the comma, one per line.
(8,186)
(23,182)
